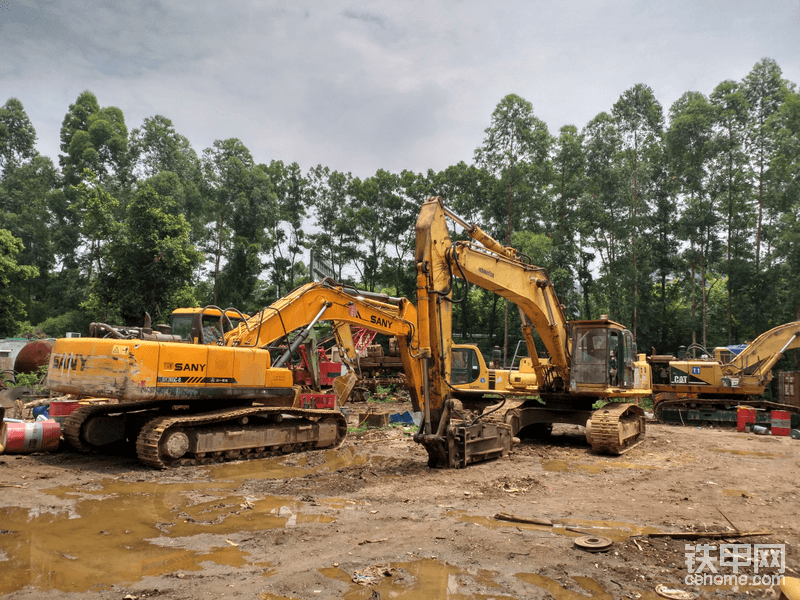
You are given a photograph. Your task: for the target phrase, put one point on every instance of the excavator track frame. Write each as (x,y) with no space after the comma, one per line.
(612,428)
(152,433)
(686,404)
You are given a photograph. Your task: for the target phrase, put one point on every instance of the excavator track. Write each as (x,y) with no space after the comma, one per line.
(150,443)
(719,404)
(616,428)
(157,449)
(73,424)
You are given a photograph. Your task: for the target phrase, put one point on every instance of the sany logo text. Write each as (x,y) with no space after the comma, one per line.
(71,362)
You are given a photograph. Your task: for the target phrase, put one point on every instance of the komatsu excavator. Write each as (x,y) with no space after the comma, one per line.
(588,360)
(195,402)
(702,388)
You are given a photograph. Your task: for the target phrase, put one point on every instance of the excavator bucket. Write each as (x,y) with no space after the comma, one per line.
(343,386)
(464,444)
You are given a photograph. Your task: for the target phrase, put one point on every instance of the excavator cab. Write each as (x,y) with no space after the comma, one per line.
(467,366)
(188,323)
(603,355)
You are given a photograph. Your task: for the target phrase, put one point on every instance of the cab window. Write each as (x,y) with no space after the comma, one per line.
(465,366)
(182,326)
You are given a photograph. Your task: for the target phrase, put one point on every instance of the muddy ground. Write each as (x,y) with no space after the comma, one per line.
(370,520)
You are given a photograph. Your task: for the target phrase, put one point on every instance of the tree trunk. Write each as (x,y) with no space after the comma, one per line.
(694,304)
(219,253)
(703,283)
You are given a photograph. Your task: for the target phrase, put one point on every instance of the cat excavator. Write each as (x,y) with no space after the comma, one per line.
(199,401)
(587,360)
(707,388)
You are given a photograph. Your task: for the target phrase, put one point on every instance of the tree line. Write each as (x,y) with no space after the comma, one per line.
(682,225)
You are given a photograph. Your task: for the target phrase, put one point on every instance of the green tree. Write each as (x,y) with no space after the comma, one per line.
(336,238)
(640,121)
(147,265)
(27,184)
(729,189)
(12,310)
(97,210)
(26,194)
(17,136)
(516,151)
(293,194)
(375,202)
(561,214)
(242,208)
(688,141)
(94,138)
(156,147)
(765,91)
(601,219)
(166,160)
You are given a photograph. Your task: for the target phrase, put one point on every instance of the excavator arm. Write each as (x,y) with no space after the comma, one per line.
(495,268)
(758,357)
(344,306)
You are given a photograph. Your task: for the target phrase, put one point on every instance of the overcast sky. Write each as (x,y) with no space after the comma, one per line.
(363,85)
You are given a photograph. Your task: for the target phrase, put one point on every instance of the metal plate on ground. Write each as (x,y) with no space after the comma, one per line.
(593,543)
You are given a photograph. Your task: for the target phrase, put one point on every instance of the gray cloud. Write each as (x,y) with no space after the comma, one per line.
(377,84)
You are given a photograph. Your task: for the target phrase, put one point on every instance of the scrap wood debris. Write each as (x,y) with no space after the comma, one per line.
(712,535)
(514,519)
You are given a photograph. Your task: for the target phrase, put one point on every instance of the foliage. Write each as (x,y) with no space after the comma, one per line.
(682,224)
(31,380)
(12,310)
(152,249)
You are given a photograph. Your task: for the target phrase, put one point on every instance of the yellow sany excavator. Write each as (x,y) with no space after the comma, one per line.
(722,380)
(587,360)
(190,402)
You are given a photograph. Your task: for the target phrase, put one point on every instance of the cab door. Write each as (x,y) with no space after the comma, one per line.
(626,354)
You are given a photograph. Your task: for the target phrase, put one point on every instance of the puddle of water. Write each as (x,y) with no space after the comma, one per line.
(424,579)
(336,573)
(119,532)
(493,523)
(429,579)
(559,592)
(276,468)
(341,503)
(749,453)
(594,589)
(616,531)
(563,466)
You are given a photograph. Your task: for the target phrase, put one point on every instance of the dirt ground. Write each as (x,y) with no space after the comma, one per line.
(370,520)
